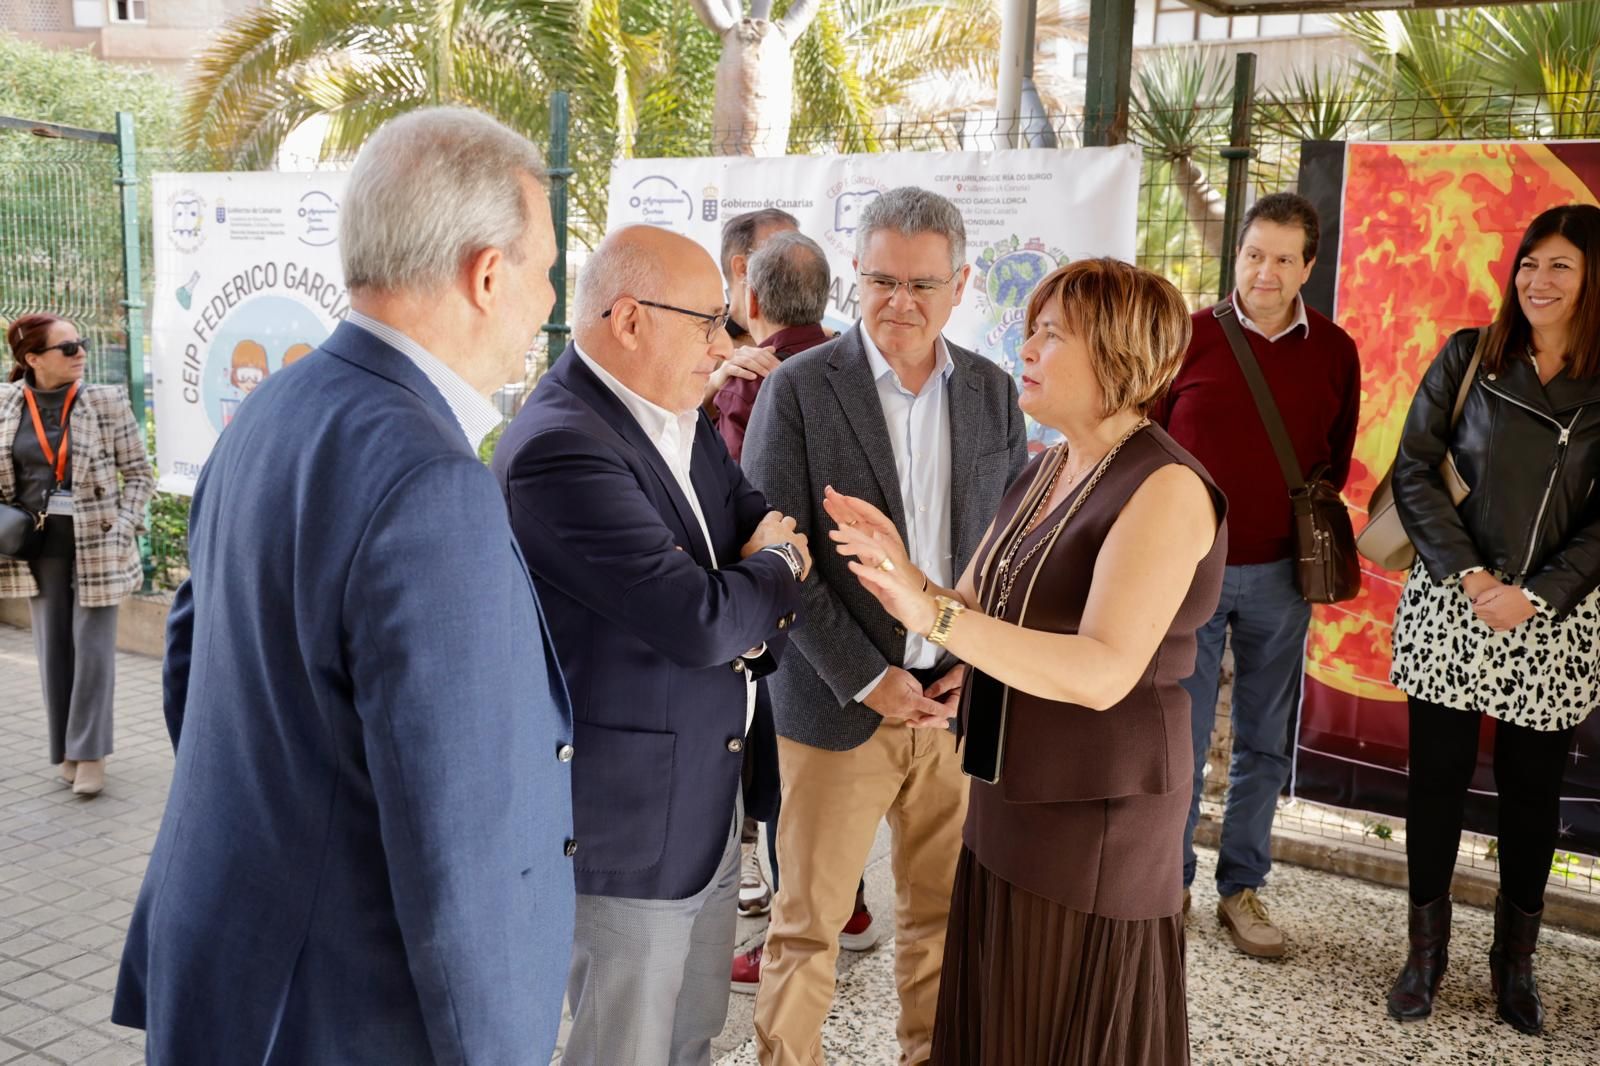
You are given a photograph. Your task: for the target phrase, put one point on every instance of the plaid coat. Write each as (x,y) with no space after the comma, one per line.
(106,442)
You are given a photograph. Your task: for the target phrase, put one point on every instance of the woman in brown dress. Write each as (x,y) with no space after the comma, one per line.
(1077,619)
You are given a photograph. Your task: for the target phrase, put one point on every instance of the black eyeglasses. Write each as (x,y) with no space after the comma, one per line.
(68,348)
(714,323)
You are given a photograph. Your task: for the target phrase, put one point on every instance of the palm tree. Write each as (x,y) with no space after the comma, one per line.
(636,69)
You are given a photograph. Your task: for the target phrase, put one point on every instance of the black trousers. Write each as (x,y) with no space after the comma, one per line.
(1528,767)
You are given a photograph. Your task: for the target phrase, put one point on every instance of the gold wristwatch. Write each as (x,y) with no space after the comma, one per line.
(949,611)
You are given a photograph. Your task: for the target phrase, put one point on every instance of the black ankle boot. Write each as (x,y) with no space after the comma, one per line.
(1412,995)
(1516,934)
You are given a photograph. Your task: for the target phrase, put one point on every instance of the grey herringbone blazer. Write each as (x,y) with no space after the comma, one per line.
(818,422)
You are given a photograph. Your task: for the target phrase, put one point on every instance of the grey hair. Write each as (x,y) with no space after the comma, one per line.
(739,233)
(909,211)
(430,189)
(790,276)
(616,268)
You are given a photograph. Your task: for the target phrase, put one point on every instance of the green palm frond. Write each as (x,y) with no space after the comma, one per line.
(1183,103)
(1328,104)
(1546,58)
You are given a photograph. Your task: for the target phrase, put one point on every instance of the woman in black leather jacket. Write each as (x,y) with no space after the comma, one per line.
(1502,617)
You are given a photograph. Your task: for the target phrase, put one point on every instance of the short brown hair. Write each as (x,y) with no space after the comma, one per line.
(1286,209)
(739,233)
(1134,321)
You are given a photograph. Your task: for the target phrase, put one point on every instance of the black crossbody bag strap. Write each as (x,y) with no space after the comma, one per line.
(1266,406)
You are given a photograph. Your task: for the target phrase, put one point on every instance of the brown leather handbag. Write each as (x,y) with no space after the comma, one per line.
(1327,568)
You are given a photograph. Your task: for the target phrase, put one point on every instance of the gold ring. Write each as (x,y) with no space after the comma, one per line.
(885,565)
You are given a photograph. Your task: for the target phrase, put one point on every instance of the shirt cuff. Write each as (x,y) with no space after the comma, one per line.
(1462,576)
(1539,604)
(860,697)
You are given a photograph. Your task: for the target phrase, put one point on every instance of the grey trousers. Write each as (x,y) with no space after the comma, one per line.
(77,651)
(649,981)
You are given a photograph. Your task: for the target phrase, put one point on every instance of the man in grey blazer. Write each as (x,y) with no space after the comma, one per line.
(931,433)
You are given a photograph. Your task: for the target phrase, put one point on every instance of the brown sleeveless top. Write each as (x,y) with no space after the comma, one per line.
(1060,752)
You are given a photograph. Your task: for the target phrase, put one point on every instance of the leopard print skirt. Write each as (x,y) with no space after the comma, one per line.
(1544,674)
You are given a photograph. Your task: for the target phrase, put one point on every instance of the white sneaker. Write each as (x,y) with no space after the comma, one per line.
(755,895)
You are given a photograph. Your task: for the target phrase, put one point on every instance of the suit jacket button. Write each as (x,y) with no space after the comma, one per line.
(738,666)
(899,631)
(105,527)
(571,849)
(783,623)
(736,745)
(99,494)
(565,753)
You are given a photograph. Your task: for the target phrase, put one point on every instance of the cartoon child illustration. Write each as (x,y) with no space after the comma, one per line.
(249,366)
(249,369)
(296,352)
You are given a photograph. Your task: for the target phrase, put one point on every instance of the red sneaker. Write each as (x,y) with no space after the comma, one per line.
(747,971)
(859,933)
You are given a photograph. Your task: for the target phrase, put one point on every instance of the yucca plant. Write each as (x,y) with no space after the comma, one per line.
(1181,118)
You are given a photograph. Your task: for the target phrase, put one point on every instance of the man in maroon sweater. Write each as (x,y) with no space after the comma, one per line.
(1314,372)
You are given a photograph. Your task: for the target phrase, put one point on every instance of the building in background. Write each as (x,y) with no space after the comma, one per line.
(163,34)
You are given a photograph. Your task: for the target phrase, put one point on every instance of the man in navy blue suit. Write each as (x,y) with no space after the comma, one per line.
(365,855)
(669,586)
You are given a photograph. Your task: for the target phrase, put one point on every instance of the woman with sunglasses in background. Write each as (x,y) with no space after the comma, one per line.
(73,453)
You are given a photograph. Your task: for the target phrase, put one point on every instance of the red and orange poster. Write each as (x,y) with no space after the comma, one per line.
(1426,236)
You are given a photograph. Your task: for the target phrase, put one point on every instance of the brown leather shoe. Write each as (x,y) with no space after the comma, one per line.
(1245,917)
(90,778)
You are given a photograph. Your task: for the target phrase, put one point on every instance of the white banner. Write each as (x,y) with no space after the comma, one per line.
(1027,212)
(247,281)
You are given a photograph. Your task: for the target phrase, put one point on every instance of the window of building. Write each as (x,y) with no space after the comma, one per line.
(1080,65)
(1280,25)
(1175,22)
(127,10)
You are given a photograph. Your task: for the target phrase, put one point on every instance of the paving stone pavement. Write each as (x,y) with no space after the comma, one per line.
(70,869)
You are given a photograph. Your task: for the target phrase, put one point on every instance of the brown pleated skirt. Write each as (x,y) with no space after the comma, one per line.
(1027,982)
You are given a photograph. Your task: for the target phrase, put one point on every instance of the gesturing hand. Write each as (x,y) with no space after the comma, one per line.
(899,697)
(866,535)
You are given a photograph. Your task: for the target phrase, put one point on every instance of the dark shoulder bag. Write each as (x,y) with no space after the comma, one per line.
(21,532)
(1327,569)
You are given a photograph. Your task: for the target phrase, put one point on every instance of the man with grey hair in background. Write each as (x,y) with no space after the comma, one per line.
(365,854)
(742,236)
(930,433)
(670,586)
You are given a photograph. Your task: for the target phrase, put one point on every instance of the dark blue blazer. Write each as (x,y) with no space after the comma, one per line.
(649,635)
(362,859)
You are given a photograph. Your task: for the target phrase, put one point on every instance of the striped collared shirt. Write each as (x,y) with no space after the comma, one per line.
(475,414)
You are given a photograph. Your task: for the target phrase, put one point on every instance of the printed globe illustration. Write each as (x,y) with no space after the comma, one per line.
(1013,277)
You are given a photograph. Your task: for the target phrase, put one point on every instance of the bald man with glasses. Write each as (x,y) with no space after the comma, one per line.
(670,586)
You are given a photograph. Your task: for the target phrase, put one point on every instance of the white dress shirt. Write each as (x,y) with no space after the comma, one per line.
(1300,321)
(474,413)
(919,433)
(673,436)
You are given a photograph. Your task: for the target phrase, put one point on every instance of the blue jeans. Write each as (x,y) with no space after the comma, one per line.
(1269,622)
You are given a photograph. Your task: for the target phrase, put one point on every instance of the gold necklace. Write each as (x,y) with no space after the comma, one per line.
(1010,566)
